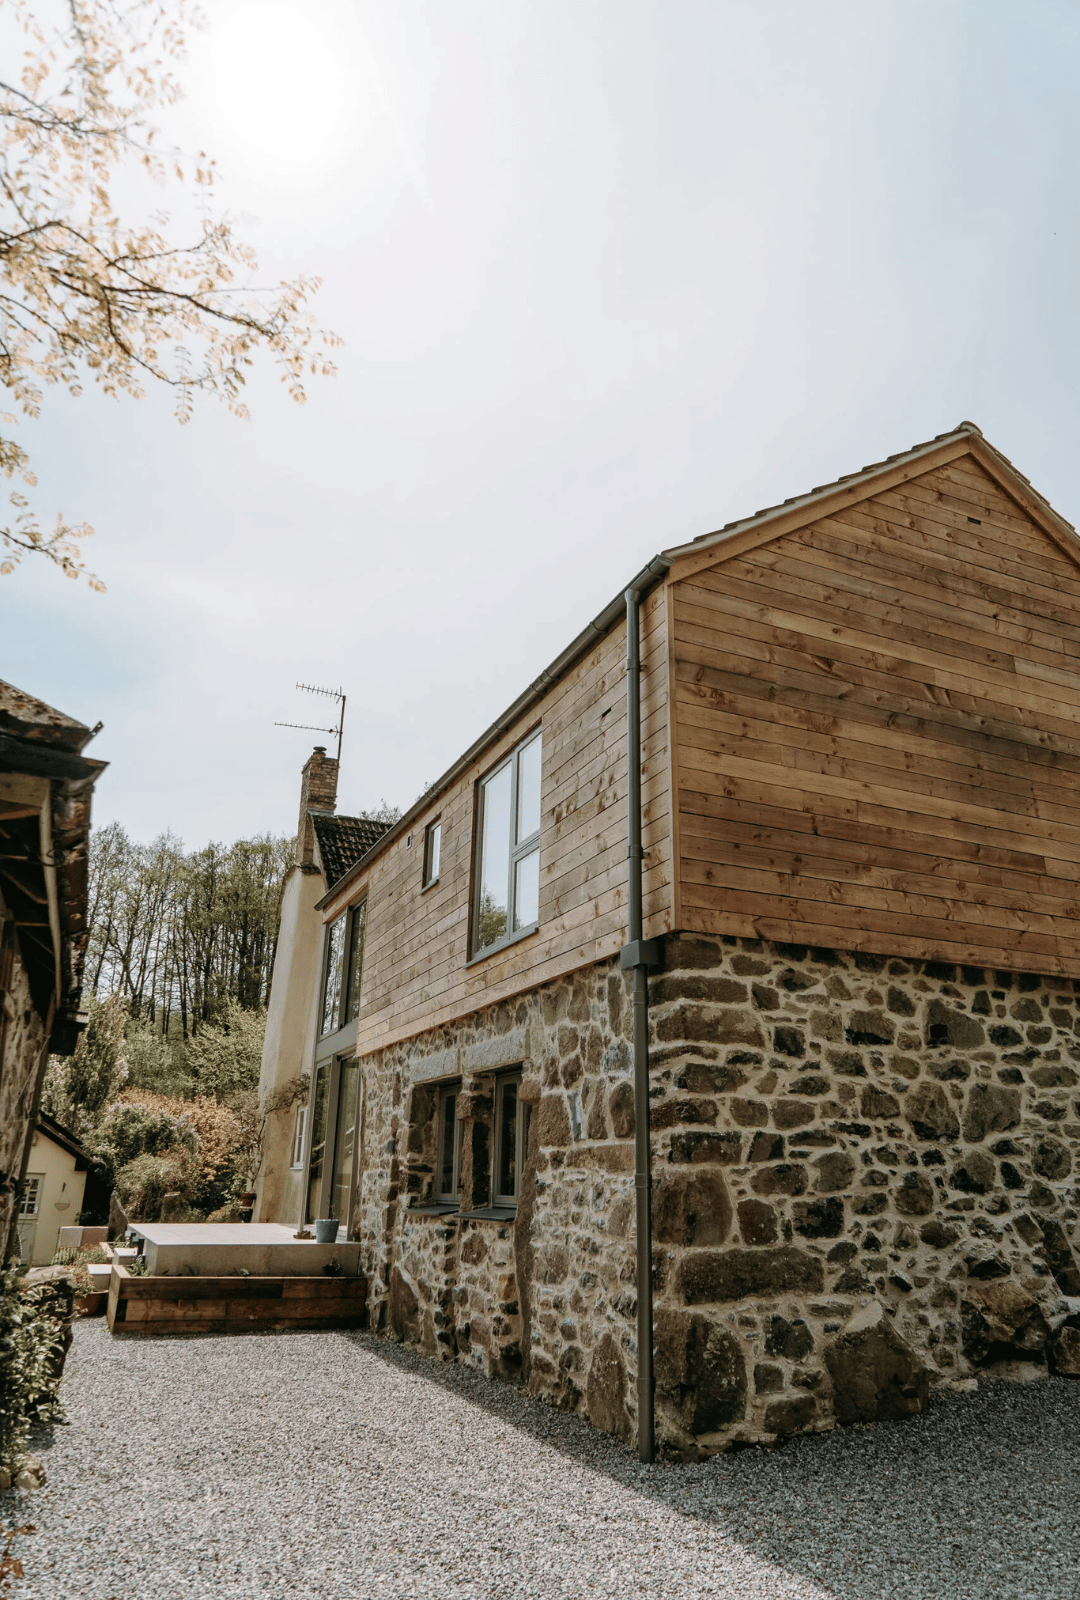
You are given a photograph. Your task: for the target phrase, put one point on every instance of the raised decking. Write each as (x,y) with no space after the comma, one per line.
(168,1305)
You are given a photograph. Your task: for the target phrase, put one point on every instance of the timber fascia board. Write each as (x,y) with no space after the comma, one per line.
(1030,502)
(688,559)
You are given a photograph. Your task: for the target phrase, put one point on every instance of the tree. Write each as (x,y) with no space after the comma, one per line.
(77,1089)
(82,289)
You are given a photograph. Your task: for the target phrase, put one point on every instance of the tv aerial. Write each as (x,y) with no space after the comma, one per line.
(331,694)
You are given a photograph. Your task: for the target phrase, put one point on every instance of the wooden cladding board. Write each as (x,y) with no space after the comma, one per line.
(416,956)
(153,1305)
(876,732)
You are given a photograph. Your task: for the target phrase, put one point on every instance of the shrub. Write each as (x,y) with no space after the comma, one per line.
(143,1183)
(35,1331)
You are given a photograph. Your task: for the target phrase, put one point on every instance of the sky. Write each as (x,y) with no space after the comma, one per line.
(609,274)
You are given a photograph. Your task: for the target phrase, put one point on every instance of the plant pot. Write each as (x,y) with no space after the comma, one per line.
(90,1305)
(247,1201)
(326,1230)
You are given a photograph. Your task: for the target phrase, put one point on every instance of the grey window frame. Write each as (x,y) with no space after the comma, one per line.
(518,852)
(351,916)
(521,1130)
(440,1196)
(429,878)
(333,1065)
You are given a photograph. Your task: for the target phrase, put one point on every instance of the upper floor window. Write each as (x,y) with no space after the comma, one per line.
(432,849)
(344,967)
(507,876)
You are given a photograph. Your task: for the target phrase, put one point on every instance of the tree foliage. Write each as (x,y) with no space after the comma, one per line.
(86,290)
(183,934)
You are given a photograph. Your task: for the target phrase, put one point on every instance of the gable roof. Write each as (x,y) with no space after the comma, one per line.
(343,841)
(732,539)
(774,521)
(65,1139)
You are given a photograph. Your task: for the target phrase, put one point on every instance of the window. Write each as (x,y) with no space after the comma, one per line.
(298,1136)
(448,1146)
(356,961)
(508,850)
(341,986)
(432,846)
(511,1137)
(31,1196)
(335,950)
(320,1101)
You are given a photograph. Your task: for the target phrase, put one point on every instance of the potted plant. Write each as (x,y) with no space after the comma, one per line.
(326,1230)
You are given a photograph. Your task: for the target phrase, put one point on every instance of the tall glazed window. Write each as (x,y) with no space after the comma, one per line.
(507,870)
(344,968)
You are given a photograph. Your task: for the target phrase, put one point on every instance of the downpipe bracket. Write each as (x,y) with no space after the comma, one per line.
(641,953)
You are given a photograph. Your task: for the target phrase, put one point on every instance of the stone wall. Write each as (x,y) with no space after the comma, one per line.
(863,1184)
(22,1042)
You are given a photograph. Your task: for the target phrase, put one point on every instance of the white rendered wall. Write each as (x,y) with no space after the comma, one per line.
(290,1023)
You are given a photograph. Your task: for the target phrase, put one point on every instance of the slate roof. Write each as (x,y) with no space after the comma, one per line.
(343,841)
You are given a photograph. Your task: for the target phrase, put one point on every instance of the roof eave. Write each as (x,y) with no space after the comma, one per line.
(650,575)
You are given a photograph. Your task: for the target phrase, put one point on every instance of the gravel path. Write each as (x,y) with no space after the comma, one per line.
(331,1466)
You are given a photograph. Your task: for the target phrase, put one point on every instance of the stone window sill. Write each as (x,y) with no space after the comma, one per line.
(491,1214)
(437,1209)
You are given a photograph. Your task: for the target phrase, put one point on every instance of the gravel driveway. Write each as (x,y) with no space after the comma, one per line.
(331,1465)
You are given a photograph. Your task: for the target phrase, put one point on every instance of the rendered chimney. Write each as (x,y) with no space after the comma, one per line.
(318,792)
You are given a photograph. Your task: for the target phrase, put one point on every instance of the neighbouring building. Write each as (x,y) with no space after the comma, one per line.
(46,785)
(859,745)
(52,1190)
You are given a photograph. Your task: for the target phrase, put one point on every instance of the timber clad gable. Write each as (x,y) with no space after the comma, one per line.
(878,732)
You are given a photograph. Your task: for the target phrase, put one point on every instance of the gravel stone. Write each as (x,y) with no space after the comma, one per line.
(331,1465)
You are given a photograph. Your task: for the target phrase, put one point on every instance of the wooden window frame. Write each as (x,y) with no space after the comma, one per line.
(517,853)
(453,1196)
(431,832)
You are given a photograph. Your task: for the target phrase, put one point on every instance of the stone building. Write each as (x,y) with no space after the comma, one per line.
(858,734)
(46,786)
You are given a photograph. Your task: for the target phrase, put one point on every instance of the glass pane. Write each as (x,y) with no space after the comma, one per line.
(318,1140)
(448,1133)
(506,1177)
(434,841)
(528,801)
(345,1140)
(356,962)
(332,992)
(527,891)
(494,859)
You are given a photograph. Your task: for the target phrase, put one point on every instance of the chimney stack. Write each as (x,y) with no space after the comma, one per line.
(318,792)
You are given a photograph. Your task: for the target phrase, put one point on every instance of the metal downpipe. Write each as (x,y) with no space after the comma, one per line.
(635,956)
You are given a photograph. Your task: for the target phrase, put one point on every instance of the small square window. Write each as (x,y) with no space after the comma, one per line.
(448,1147)
(432,851)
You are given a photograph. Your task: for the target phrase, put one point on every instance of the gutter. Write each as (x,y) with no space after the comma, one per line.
(638,955)
(586,639)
